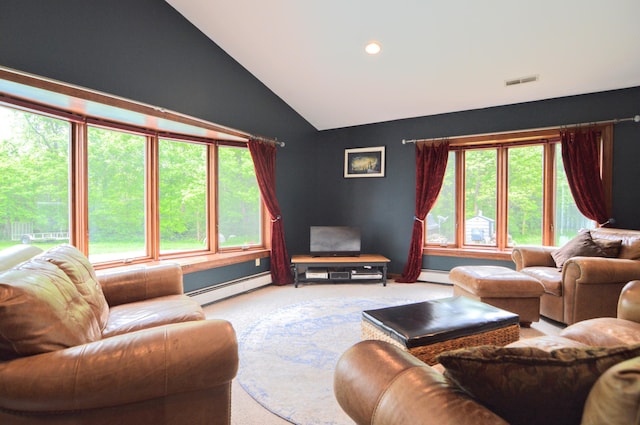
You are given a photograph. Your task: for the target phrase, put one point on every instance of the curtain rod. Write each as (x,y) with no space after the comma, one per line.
(635,118)
(275,141)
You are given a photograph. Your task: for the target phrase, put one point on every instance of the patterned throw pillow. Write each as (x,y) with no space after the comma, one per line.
(527,385)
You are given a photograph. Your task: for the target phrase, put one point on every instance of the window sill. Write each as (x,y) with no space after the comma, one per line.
(197,263)
(488,254)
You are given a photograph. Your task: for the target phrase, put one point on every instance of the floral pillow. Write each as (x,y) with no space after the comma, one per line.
(527,385)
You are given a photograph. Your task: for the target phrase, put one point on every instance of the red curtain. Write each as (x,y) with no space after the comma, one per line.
(264,161)
(431,164)
(581,159)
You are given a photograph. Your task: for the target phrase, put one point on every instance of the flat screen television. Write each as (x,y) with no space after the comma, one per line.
(334,241)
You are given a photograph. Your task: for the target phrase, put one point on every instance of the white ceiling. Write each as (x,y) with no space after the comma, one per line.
(437,56)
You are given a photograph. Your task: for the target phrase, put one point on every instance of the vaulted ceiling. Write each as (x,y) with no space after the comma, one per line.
(437,56)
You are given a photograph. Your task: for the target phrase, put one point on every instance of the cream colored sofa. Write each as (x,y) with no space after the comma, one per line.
(126,347)
(585,287)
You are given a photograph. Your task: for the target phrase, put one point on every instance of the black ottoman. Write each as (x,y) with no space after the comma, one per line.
(428,328)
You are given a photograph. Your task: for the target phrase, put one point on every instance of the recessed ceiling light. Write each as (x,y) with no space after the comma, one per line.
(373,48)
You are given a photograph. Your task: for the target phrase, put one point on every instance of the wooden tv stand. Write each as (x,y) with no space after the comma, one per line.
(362,268)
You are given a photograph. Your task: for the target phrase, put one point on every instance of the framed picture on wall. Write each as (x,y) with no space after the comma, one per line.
(364,162)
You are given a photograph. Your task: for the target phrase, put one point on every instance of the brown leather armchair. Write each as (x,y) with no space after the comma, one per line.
(154,360)
(377,383)
(585,287)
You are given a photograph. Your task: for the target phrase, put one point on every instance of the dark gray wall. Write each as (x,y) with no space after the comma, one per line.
(146,51)
(384,207)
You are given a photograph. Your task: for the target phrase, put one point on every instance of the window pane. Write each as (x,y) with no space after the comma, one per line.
(525,195)
(239,203)
(34,169)
(116,181)
(441,222)
(480,196)
(183,196)
(569,220)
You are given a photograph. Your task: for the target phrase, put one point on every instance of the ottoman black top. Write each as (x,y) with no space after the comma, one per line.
(429,322)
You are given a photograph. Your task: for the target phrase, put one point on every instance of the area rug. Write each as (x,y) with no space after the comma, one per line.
(287,359)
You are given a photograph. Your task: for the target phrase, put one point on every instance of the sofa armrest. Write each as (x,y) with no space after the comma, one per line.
(613,399)
(378,383)
(591,286)
(600,270)
(129,368)
(530,255)
(140,283)
(629,302)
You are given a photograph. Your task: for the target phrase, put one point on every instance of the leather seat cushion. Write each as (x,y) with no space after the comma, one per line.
(604,331)
(548,343)
(550,277)
(495,281)
(125,318)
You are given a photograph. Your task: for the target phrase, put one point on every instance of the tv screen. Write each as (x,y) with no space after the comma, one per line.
(334,241)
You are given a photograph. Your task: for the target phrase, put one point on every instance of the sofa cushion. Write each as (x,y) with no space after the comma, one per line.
(548,343)
(130,317)
(41,310)
(549,277)
(527,385)
(604,331)
(630,250)
(582,245)
(78,268)
(610,247)
(615,397)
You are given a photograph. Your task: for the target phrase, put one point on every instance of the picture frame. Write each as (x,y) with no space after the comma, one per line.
(364,162)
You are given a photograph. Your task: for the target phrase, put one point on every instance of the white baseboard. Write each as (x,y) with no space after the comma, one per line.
(436,276)
(229,289)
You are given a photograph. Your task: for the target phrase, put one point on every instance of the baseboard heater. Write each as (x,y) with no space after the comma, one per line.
(436,276)
(229,289)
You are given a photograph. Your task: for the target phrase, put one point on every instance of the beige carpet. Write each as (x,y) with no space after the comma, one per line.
(243,310)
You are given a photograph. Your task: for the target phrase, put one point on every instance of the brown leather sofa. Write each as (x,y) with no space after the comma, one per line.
(125,347)
(585,287)
(377,383)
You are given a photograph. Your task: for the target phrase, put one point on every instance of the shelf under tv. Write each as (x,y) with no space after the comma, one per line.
(362,268)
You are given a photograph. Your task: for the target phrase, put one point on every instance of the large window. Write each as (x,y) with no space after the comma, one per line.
(116,188)
(183,196)
(567,217)
(525,194)
(498,193)
(480,201)
(123,191)
(34,170)
(441,220)
(239,222)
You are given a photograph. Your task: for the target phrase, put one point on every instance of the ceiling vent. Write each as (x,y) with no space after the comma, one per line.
(522,80)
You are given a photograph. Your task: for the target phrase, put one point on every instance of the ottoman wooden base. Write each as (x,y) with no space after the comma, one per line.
(429,328)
